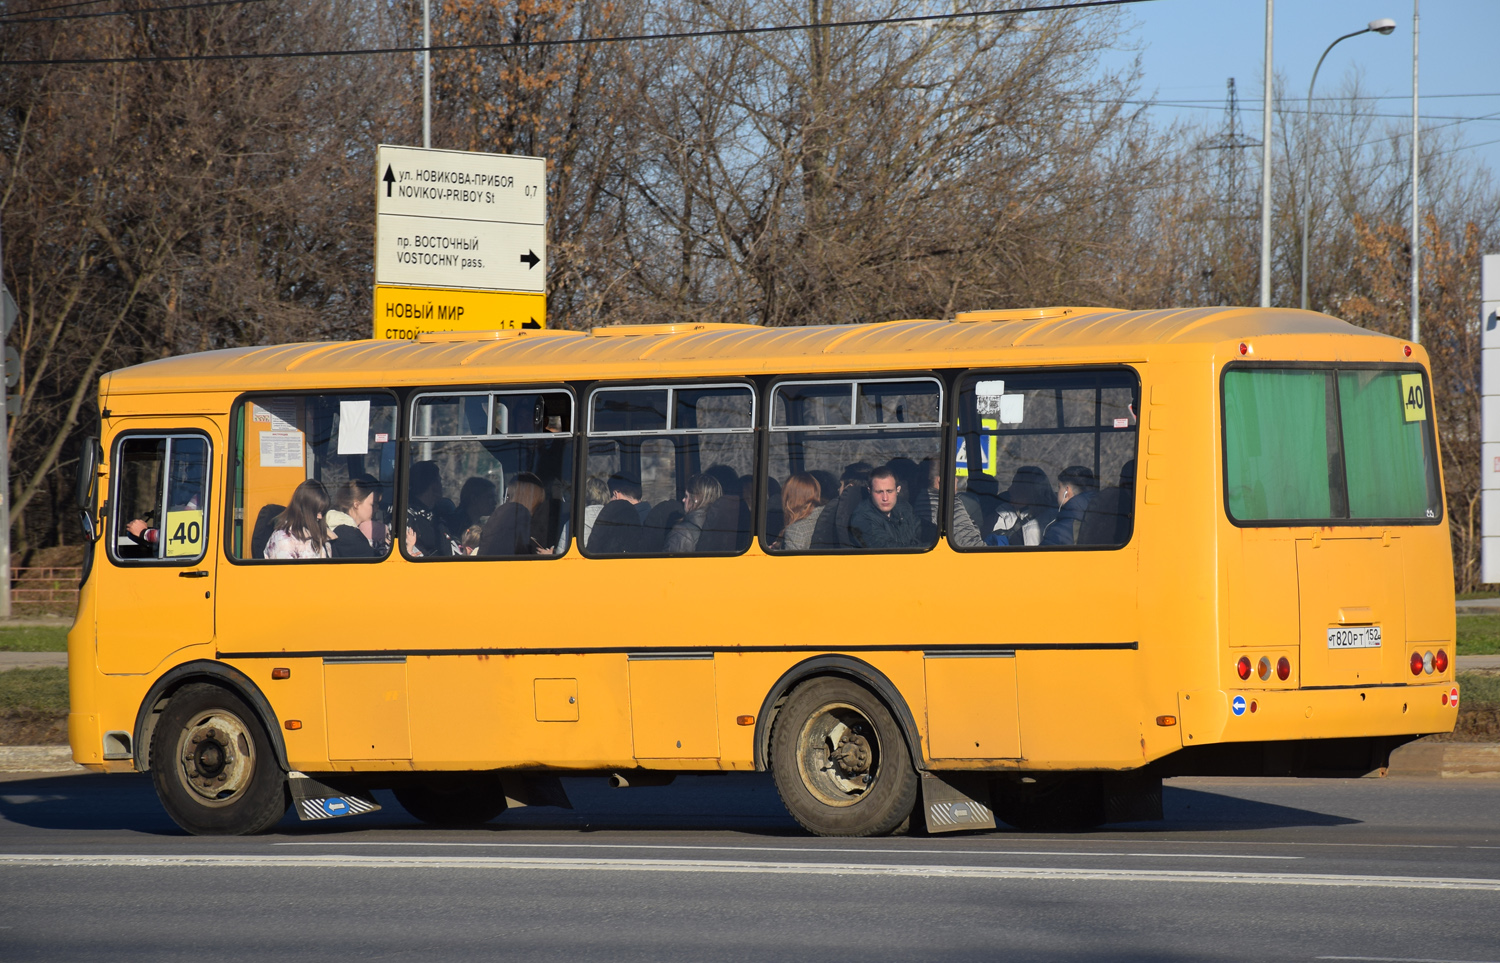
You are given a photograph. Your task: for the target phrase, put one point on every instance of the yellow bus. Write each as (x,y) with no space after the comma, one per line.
(1021,564)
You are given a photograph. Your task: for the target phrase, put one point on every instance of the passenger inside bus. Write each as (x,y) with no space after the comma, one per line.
(352,511)
(801,507)
(520,526)
(703,492)
(618,529)
(1026,508)
(424,494)
(299,531)
(476,502)
(832,531)
(1076,487)
(885,520)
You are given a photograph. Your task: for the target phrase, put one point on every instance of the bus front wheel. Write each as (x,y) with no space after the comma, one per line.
(213,766)
(840,762)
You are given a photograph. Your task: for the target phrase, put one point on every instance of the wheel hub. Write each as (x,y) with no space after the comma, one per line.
(838,756)
(216,757)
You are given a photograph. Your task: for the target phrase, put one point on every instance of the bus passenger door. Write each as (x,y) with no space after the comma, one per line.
(156,597)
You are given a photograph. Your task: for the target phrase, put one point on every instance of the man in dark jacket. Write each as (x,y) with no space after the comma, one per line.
(1075,489)
(618,530)
(885,521)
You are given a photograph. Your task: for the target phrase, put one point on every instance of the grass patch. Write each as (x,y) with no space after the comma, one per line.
(1481,594)
(34,638)
(1477,689)
(41,689)
(1478,635)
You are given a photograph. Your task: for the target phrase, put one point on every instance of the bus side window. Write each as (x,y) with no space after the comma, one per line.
(491,475)
(852,465)
(160,499)
(668,469)
(336,449)
(1045,460)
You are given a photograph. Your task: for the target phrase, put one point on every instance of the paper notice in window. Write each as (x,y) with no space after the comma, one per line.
(281,449)
(354,427)
(987,395)
(1012,408)
(280,412)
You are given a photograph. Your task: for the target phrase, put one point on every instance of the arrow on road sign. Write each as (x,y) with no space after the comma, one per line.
(530,324)
(389,178)
(530,259)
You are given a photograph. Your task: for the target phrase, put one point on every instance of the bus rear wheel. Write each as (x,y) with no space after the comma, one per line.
(454,801)
(213,767)
(840,763)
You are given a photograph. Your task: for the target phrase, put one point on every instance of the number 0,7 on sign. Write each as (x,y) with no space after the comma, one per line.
(1413,397)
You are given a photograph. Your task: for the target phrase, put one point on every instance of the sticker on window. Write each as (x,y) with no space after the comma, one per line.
(354,427)
(184,533)
(988,397)
(280,412)
(281,449)
(1011,408)
(1413,397)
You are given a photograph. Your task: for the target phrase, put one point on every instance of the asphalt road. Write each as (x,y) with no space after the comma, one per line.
(711,868)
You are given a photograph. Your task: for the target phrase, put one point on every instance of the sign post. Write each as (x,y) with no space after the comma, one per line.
(8,315)
(460,241)
(1489,466)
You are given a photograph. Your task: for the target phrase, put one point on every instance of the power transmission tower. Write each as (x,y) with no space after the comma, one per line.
(1231,210)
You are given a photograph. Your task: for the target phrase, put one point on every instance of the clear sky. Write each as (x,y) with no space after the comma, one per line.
(1190,47)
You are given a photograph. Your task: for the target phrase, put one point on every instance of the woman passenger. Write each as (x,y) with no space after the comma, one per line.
(512,529)
(354,504)
(299,532)
(801,504)
(702,492)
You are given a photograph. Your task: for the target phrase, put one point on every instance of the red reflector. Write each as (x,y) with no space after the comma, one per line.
(1253,705)
(1440,661)
(281,673)
(1416,663)
(1407,350)
(1283,669)
(1445,698)
(1244,348)
(1243,667)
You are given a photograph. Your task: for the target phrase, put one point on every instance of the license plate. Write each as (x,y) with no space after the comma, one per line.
(1363,637)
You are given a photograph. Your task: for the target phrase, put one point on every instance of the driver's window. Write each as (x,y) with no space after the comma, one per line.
(160,501)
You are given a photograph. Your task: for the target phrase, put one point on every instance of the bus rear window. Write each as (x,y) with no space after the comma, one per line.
(1328,445)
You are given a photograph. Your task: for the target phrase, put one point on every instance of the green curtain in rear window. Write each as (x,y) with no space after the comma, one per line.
(1384,455)
(1276,443)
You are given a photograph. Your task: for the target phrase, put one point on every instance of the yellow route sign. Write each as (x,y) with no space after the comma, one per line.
(403,313)
(1413,397)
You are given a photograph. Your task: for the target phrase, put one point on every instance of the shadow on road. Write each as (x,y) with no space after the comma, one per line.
(744,803)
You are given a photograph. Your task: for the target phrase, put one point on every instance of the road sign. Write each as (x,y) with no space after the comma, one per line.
(454,224)
(8,313)
(12,366)
(404,313)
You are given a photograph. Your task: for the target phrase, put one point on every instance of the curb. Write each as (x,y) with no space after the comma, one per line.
(1446,760)
(38,759)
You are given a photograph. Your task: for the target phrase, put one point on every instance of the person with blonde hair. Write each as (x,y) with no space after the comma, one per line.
(801,504)
(299,531)
(702,492)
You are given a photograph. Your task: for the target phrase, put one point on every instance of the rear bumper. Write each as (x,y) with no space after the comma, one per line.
(1209,716)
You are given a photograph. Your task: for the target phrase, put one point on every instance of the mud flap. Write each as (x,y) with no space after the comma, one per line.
(316,800)
(955,801)
(533,789)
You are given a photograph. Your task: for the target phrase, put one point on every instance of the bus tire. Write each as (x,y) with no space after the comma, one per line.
(213,766)
(840,763)
(454,802)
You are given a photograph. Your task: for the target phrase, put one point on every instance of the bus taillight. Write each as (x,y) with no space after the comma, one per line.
(1243,667)
(1416,663)
(1440,661)
(1263,669)
(1283,668)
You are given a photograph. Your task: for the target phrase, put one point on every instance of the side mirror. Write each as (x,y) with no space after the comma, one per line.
(86,522)
(88,472)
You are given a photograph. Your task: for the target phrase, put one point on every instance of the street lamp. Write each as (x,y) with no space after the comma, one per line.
(1385,26)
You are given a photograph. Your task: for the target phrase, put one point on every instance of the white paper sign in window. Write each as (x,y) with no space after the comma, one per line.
(354,427)
(281,449)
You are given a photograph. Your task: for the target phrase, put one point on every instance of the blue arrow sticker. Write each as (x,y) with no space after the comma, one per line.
(1238,705)
(338,807)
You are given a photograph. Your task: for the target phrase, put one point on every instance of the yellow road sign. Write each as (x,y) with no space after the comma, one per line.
(403,313)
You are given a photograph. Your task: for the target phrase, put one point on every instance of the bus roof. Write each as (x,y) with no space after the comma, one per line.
(623,351)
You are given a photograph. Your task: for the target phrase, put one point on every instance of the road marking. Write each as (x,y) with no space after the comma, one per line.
(192,861)
(1396,959)
(790,849)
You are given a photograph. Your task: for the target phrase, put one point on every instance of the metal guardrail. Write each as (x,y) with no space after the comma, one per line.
(44,591)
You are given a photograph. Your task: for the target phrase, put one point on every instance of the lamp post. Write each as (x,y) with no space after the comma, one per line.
(1384,26)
